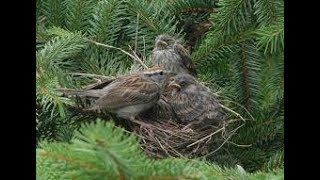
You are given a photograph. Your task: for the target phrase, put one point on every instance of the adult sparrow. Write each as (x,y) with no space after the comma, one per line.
(129,95)
(194,102)
(172,56)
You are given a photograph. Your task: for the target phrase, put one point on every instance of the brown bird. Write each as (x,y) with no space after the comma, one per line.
(194,102)
(172,56)
(130,95)
(161,111)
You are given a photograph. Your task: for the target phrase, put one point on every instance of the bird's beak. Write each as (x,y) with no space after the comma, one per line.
(174,85)
(162,43)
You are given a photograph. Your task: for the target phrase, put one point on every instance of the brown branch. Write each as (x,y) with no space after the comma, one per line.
(137,58)
(202,139)
(245,73)
(271,7)
(125,52)
(197,10)
(225,141)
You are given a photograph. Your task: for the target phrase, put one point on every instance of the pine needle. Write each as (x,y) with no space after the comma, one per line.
(134,57)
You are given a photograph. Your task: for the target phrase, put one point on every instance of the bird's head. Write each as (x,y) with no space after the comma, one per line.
(158,75)
(182,82)
(164,41)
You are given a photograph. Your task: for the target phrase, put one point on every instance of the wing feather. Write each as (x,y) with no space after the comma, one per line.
(186,59)
(187,108)
(128,91)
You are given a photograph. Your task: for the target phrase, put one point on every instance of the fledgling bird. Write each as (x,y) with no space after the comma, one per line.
(128,96)
(193,102)
(161,111)
(172,56)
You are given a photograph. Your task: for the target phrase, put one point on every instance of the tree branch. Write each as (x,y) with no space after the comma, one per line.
(134,57)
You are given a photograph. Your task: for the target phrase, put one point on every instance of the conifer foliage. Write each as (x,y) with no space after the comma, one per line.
(237,45)
(103,151)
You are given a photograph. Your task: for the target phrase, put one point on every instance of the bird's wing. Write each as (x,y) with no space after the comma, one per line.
(213,108)
(186,59)
(197,106)
(187,108)
(130,91)
(99,85)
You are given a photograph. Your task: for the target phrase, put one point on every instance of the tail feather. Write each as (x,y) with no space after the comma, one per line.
(75,92)
(91,108)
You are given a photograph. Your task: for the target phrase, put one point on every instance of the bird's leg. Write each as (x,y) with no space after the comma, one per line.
(142,124)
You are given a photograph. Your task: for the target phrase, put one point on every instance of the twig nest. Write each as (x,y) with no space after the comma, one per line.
(170,137)
(163,134)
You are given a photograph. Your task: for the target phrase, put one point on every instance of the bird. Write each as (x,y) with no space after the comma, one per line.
(193,102)
(172,56)
(130,95)
(161,112)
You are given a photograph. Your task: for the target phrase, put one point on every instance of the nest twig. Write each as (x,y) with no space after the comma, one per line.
(168,138)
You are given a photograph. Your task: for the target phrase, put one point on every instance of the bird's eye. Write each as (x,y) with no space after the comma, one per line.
(171,79)
(161,73)
(183,83)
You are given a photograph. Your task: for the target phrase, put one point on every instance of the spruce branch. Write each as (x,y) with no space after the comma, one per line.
(134,56)
(59,48)
(54,11)
(233,16)
(268,11)
(240,29)
(271,37)
(276,161)
(190,6)
(101,150)
(107,21)
(78,14)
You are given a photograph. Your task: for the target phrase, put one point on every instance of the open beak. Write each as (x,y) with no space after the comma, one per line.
(174,85)
(162,43)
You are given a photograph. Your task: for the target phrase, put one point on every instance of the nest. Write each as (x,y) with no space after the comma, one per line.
(167,138)
(162,135)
